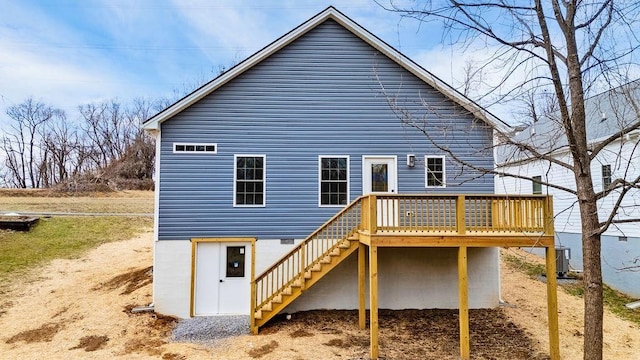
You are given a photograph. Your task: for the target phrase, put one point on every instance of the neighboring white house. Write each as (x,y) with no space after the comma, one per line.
(607,114)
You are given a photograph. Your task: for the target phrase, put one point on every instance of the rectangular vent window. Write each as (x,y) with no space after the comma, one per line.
(195,148)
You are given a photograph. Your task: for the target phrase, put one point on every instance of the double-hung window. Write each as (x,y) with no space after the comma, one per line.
(249,180)
(334,180)
(434,171)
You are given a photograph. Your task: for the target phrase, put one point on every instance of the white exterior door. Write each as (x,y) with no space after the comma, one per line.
(235,279)
(222,278)
(379,176)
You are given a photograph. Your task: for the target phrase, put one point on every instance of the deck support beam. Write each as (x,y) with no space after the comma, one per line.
(552,303)
(373,300)
(362,311)
(463,302)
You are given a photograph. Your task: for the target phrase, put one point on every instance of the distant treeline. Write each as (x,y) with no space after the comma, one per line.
(98,148)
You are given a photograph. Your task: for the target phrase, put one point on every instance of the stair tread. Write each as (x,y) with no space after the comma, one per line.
(339,249)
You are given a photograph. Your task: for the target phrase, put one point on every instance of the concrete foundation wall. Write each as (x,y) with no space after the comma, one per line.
(409,278)
(172,278)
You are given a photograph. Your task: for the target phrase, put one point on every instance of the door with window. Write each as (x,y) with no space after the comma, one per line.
(222,278)
(379,176)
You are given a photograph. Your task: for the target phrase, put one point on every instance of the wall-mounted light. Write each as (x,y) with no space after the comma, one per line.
(411,160)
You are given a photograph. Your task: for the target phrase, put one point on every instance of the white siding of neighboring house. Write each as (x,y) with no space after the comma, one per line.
(567,214)
(617,253)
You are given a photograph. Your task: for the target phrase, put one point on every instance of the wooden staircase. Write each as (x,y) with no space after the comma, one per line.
(305,264)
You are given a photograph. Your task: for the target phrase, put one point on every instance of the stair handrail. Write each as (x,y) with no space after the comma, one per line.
(300,248)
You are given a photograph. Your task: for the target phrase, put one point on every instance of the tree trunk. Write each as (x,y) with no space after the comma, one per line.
(592,271)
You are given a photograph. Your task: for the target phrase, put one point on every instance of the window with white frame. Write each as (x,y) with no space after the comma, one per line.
(606,176)
(249,180)
(333,180)
(193,148)
(434,171)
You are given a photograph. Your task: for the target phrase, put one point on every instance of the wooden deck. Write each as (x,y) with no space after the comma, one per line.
(376,221)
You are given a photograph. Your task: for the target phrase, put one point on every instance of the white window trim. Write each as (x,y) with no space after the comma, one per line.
(444,171)
(320,157)
(264,179)
(194,144)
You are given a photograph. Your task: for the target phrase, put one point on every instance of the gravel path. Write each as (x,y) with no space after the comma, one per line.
(210,328)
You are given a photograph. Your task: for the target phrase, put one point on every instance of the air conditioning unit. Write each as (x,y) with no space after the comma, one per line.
(563,254)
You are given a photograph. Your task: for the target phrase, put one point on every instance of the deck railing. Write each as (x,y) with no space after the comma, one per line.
(428,215)
(458,214)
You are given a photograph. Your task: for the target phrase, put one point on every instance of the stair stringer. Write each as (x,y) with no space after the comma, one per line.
(306,263)
(302,286)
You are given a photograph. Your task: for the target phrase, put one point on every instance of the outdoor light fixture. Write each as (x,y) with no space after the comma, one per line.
(411,160)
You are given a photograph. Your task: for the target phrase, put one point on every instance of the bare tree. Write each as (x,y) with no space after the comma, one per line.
(555,55)
(61,143)
(22,143)
(107,131)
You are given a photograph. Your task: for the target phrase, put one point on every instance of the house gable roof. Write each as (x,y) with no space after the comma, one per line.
(329,13)
(607,114)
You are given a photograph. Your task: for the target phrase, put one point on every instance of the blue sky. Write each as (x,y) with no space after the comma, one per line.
(66,53)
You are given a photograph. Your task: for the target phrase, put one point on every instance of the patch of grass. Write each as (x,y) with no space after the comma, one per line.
(116,202)
(614,300)
(531,269)
(62,237)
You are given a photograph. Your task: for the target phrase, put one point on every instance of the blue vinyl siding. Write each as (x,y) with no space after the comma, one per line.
(320,95)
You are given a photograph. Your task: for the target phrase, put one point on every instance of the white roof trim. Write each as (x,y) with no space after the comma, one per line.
(362,33)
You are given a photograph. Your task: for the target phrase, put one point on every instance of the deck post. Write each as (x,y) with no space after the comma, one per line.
(460,215)
(373,300)
(552,303)
(548,217)
(252,325)
(303,265)
(463,300)
(362,311)
(373,214)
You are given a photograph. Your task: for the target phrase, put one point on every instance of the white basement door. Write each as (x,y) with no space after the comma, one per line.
(222,279)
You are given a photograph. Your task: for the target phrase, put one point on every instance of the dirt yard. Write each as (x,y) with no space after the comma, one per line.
(81,309)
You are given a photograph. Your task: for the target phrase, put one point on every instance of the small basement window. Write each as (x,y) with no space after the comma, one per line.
(193,148)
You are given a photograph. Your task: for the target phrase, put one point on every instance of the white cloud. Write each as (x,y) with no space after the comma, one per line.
(45,59)
(62,84)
